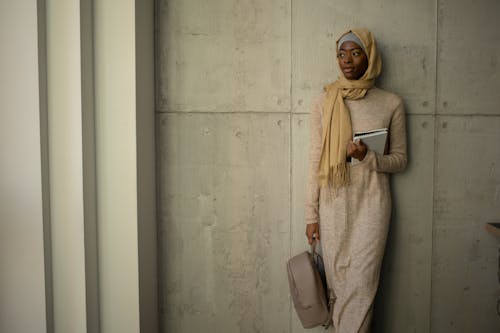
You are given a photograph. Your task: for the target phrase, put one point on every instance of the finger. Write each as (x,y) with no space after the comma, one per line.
(350,148)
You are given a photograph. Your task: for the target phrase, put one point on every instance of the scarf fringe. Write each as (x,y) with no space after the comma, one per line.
(338,176)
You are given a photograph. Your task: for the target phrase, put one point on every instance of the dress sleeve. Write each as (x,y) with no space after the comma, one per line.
(312,190)
(395,160)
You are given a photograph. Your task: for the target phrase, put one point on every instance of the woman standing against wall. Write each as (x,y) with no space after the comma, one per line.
(349,206)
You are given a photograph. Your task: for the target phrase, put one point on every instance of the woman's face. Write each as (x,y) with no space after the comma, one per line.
(352,60)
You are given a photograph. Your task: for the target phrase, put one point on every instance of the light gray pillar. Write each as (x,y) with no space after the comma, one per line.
(124,119)
(100,88)
(22,276)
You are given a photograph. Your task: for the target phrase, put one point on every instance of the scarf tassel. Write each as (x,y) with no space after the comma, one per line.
(338,176)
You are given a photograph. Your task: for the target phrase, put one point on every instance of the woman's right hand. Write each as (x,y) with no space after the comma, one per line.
(357,149)
(312,232)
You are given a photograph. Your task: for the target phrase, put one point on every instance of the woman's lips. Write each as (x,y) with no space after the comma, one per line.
(348,70)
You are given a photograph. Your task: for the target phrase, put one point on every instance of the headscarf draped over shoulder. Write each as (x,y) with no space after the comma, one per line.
(337,127)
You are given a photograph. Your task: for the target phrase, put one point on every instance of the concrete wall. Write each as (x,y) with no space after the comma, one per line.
(234,82)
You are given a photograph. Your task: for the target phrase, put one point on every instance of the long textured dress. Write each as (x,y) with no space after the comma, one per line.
(354,222)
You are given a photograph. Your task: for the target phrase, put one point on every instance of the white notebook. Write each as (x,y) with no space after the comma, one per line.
(376,140)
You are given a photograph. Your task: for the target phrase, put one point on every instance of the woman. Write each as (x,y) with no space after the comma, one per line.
(349,206)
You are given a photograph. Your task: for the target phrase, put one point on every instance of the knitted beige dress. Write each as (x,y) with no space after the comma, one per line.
(354,223)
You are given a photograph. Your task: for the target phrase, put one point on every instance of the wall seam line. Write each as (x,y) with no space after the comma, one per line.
(434,167)
(409,114)
(290,180)
(257,112)
(158,193)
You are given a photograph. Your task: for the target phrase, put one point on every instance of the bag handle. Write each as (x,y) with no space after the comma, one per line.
(313,245)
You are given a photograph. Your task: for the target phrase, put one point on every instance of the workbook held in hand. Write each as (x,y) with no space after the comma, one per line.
(376,140)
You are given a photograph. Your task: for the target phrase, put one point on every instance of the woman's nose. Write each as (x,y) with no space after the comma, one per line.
(347,59)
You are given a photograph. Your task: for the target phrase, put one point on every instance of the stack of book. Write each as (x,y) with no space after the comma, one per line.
(375,140)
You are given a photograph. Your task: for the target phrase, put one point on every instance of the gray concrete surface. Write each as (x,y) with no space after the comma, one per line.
(235,82)
(225,221)
(467,191)
(403,303)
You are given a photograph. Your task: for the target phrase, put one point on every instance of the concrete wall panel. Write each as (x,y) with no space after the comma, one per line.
(224,222)
(467,176)
(468,57)
(407,41)
(403,301)
(300,163)
(224,55)
(300,159)
(464,267)
(218,61)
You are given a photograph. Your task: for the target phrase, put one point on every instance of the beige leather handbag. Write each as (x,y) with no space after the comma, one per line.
(313,304)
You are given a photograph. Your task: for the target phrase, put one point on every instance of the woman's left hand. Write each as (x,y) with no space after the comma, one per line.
(357,150)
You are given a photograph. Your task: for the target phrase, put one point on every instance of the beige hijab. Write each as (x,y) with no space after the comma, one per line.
(337,128)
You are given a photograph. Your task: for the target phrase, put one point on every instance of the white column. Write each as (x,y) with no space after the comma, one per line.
(64,99)
(124,115)
(97,89)
(22,277)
